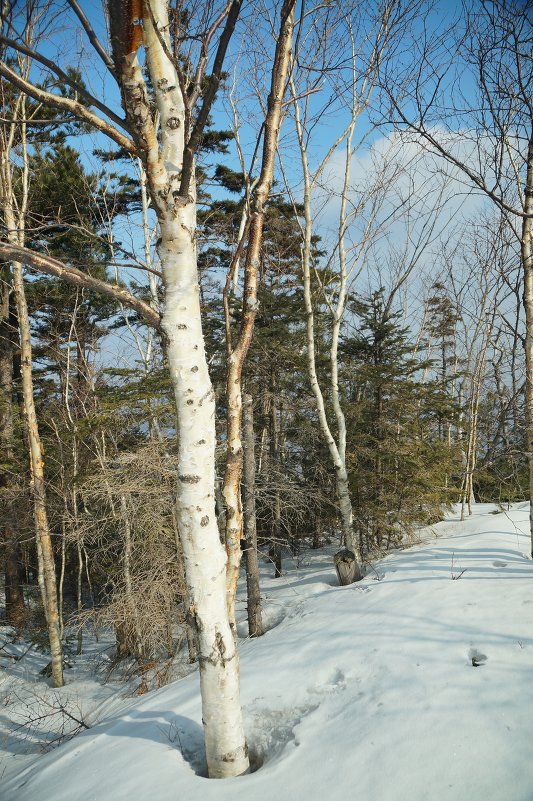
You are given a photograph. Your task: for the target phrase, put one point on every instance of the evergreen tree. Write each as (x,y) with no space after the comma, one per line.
(398,462)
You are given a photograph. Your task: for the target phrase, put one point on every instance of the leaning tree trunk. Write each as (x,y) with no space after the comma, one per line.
(14,220)
(44,546)
(349,536)
(337,449)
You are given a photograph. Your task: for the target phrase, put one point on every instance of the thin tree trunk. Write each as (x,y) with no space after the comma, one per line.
(128,585)
(237,354)
(79,597)
(47,574)
(255,623)
(275,550)
(526,251)
(61,582)
(38,482)
(336,448)
(14,597)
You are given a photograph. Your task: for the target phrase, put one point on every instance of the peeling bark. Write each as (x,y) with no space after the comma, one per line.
(204,556)
(38,482)
(14,214)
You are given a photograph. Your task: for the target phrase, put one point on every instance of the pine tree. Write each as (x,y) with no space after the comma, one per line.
(398,461)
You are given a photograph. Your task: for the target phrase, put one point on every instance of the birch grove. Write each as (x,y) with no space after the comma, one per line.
(317,327)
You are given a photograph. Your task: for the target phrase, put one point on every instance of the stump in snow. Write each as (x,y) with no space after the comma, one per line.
(346,566)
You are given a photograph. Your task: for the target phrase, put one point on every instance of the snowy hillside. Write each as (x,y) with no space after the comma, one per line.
(415,684)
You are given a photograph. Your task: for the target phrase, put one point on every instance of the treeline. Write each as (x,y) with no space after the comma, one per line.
(432,408)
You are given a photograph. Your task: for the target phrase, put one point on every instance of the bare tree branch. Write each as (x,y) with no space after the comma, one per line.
(50,266)
(78,87)
(208,98)
(106,58)
(67,104)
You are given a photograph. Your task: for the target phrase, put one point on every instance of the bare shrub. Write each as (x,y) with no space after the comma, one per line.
(128,528)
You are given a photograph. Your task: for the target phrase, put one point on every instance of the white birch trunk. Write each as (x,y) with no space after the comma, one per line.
(204,556)
(337,450)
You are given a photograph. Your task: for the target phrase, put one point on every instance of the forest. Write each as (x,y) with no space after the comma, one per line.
(266,287)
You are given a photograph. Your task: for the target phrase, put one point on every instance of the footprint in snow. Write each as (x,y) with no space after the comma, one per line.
(272,731)
(497,563)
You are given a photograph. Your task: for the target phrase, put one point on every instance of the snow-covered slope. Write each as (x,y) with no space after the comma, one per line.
(410,685)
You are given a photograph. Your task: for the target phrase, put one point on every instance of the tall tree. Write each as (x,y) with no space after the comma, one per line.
(164,123)
(14,207)
(237,351)
(361,40)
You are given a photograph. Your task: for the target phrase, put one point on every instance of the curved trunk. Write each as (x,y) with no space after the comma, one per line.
(337,449)
(38,483)
(14,221)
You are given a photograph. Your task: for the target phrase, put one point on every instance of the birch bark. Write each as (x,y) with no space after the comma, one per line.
(337,449)
(204,556)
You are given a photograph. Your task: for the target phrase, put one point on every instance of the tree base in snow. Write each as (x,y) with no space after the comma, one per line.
(346,567)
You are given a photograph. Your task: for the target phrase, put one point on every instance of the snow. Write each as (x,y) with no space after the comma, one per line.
(416,683)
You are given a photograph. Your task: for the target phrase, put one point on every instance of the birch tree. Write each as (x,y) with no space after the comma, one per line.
(166,140)
(163,127)
(364,45)
(14,209)
(237,351)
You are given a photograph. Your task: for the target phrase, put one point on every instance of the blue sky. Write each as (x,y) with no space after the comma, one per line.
(249,56)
